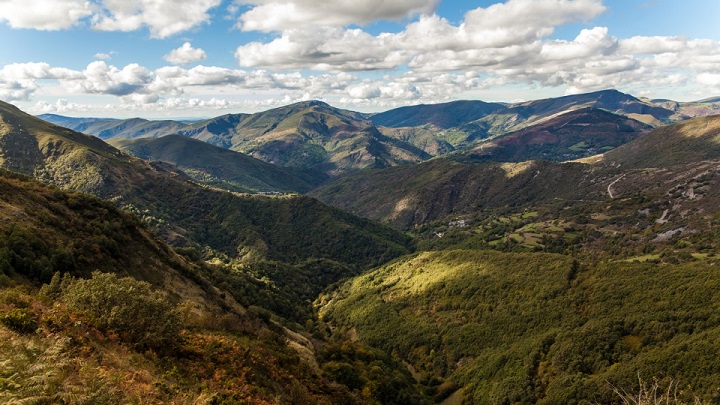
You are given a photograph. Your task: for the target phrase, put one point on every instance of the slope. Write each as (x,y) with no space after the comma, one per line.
(684,142)
(310,135)
(108,338)
(439,116)
(409,196)
(538,328)
(213,165)
(246,233)
(567,136)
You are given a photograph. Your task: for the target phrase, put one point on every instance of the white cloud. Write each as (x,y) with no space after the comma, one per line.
(48,15)
(162,17)
(487,36)
(324,49)
(279,15)
(103,56)
(19,81)
(185,55)
(100,78)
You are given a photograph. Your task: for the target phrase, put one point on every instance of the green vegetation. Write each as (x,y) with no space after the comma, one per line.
(126,306)
(213,165)
(537,328)
(110,338)
(534,282)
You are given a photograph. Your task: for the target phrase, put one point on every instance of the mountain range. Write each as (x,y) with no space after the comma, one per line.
(325,140)
(431,260)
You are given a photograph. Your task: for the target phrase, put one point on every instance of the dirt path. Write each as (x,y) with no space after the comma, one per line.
(609,189)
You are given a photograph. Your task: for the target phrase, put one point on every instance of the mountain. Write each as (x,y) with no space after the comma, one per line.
(106,128)
(439,116)
(700,108)
(213,165)
(567,136)
(309,134)
(325,141)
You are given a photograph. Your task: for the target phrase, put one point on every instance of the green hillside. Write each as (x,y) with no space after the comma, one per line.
(259,242)
(409,196)
(213,165)
(690,141)
(538,328)
(91,337)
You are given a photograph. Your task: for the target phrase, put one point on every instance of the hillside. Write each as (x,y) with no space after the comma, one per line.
(690,141)
(491,327)
(567,136)
(410,196)
(439,116)
(247,235)
(310,135)
(213,165)
(175,337)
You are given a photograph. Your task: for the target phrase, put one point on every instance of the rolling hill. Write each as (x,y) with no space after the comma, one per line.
(690,141)
(409,196)
(213,165)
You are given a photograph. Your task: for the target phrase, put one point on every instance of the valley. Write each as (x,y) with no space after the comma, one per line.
(548,251)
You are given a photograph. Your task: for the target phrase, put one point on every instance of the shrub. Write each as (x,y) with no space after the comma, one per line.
(128,306)
(20,320)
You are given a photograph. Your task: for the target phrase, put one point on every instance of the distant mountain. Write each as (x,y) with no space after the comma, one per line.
(439,116)
(465,123)
(567,136)
(106,128)
(309,134)
(316,136)
(213,165)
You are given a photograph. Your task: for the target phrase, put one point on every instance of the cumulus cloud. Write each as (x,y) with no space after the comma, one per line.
(162,17)
(278,15)
(323,49)
(19,81)
(185,55)
(486,36)
(48,15)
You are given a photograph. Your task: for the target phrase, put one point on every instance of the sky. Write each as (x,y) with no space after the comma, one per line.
(204,58)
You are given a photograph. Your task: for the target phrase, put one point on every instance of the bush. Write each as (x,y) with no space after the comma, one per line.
(20,320)
(128,306)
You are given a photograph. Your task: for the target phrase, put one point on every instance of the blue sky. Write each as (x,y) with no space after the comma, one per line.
(172,58)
